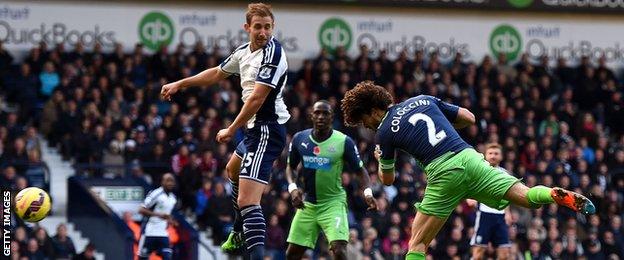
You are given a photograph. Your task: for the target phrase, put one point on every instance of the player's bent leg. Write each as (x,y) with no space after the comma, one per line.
(166,254)
(250,192)
(518,194)
(332,218)
(295,252)
(165,249)
(338,249)
(145,247)
(537,196)
(446,187)
(424,230)
(264,144)
(478,252)
(235,240)
(233,167)
(254,226)
(303,232)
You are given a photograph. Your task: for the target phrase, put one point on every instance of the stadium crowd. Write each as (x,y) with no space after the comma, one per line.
(559,126)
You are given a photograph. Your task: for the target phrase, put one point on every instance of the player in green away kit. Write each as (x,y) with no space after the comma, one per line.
(322,153)
(424,126)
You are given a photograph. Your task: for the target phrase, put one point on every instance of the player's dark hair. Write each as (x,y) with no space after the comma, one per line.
(258,9)
(361,101)
(323,101)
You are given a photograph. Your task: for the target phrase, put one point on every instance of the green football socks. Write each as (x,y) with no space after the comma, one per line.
(415,256)
(539,195)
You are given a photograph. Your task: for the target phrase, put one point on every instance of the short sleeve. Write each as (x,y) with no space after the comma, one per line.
(449,110)
(351,154)
(387,152)
(294,157)
(150,199)
(231,64)
(273,66)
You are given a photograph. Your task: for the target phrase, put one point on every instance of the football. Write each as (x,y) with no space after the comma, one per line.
(32,204)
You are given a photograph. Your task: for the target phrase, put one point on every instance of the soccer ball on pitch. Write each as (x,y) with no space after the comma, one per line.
(32,204)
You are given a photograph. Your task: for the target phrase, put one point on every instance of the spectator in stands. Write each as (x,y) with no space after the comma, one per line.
(137,173)
(21,238)
(52,110)
(63,244)
(24,90)
(8,180)
(393,238)
(37,173)
(66,126)
(219,212)
(87,254)
(276,239)
(33,252)
(155,162)
(18,156)
(6,59)
(202,198)
(15,250)
(354,247)
(44,242)
(180,160)
(49,79)
(113,156)
(190,178)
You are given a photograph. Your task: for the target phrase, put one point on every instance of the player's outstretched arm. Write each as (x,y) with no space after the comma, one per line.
(204,78)
(250,108)
(464,118)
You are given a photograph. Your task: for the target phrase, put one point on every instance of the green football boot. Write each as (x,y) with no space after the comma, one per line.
(234,243)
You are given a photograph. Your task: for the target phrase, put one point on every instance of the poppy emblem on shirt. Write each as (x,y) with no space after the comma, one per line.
(317,150)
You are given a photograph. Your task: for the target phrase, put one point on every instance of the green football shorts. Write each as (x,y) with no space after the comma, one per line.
(454,177)
(329,217)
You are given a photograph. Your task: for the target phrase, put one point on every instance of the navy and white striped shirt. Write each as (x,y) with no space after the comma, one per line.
(267,66)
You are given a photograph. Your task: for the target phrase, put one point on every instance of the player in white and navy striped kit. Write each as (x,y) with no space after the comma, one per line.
(156,209)
(262,66)
(491,225)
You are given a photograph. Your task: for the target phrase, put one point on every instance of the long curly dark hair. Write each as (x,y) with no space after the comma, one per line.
(362,99)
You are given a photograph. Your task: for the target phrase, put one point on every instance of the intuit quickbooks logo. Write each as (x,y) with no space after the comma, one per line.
(506,39)
(155,29)
(334,33)
(520,3)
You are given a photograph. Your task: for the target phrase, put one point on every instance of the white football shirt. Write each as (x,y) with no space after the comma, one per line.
(267,66)
(157,201)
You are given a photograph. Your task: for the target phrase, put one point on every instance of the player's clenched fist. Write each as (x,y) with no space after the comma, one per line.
(377,153)
(167,90)
(372,203)
(296,197)
(224,135)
